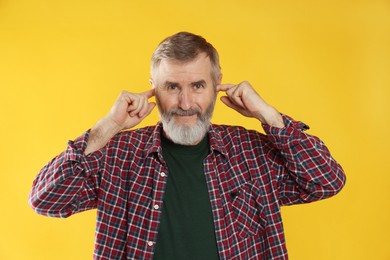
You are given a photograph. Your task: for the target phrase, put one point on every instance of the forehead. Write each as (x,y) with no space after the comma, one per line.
(189,71)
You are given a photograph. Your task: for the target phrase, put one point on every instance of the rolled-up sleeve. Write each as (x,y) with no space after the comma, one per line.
(306,171)
(68,184)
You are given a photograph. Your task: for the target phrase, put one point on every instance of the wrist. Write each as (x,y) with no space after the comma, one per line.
(107,127)
(276,122)
(271,117)
(101,134)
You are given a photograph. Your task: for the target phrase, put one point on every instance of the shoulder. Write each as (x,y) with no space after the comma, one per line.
(139,137)
(227,132)
(234,137)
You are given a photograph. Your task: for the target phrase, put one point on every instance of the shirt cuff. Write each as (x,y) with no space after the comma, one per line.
(291,133)
(75,153)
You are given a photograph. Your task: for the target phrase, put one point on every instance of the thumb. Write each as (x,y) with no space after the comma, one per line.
(226,100)
(151,106)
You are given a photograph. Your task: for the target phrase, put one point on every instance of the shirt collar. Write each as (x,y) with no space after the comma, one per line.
(216,142)
(153,144)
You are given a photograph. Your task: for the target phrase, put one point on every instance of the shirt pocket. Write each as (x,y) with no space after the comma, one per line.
(247,211)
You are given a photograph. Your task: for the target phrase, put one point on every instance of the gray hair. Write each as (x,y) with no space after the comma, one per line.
(184,47)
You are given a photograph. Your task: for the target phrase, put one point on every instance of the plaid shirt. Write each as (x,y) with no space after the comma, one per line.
(249,177)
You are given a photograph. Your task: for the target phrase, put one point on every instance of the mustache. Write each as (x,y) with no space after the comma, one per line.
(188,112)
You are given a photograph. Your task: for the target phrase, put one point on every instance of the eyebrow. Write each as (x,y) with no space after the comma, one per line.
(169,83)
(202,81)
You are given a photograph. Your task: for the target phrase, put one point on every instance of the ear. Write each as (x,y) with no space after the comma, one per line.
(219,79)
(151,83)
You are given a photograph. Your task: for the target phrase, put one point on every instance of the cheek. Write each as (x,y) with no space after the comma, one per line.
(205,103)
(166,102)
(206,100)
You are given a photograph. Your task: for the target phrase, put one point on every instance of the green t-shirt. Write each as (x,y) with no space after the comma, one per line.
(186,226)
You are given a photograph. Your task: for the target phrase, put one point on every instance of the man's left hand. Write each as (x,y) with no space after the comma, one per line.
(244,99)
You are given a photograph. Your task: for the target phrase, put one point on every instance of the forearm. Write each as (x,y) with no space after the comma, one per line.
(68,184)
(101,134)
(307,171)
(128,111)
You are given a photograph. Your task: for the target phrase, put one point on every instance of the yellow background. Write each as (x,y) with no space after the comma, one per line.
(327,63)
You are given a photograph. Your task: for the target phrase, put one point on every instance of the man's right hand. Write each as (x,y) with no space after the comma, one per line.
(128,111)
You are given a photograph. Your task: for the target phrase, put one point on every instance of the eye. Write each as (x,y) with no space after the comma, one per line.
(198,86)
(172,87)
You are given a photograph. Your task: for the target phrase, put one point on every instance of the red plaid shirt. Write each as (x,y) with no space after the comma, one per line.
(249,177)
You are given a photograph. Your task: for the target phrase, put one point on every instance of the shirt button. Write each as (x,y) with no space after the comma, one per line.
(156,207)
(150,243)
(162,174)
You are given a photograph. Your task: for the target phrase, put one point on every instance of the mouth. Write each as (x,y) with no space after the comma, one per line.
(185,112)
(186,117)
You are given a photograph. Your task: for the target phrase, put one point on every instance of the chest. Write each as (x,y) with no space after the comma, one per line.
(238,190)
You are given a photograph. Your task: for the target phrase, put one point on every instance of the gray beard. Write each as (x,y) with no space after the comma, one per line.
(183,134)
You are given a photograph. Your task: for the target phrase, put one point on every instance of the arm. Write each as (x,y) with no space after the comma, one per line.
(128,111)
(69,183)
(245,100)
(305,170)
(304,167)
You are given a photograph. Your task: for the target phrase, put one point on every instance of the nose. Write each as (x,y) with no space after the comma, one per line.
(185,99)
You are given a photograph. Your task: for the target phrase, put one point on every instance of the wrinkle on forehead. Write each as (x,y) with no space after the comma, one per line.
(186,72)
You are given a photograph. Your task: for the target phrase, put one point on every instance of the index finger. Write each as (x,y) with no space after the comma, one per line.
(149,93)
(225,87)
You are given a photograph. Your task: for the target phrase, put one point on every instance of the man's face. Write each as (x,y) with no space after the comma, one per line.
(185,98)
